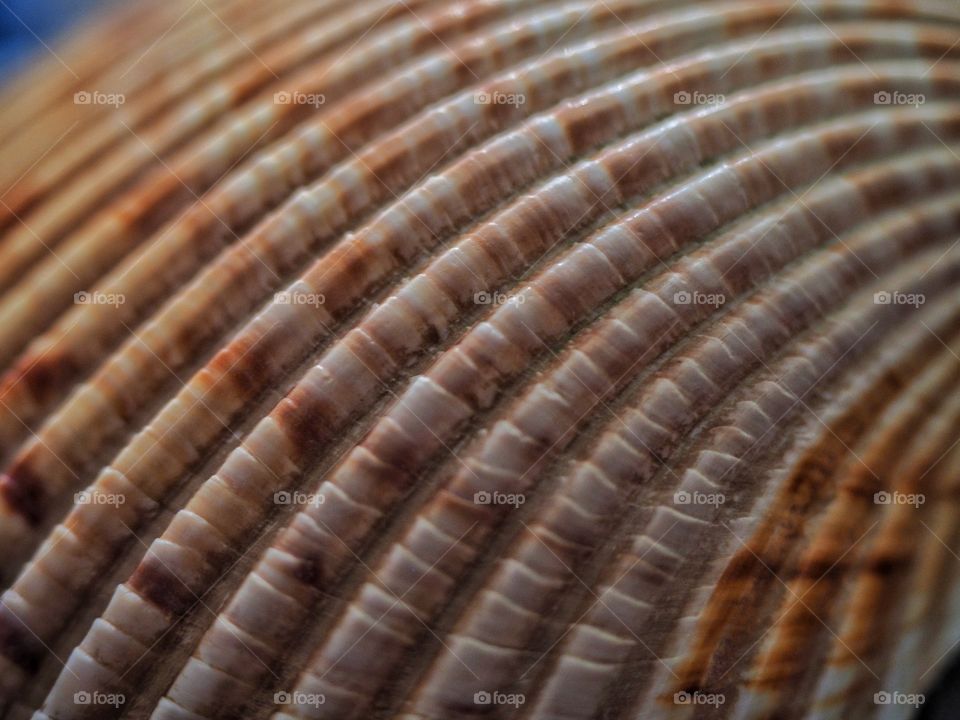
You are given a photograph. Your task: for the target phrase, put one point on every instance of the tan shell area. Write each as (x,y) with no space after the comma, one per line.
(441,359)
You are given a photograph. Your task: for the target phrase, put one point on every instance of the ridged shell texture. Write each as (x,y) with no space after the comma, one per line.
(441,359)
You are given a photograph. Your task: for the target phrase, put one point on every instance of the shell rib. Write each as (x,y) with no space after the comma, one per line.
(485,358)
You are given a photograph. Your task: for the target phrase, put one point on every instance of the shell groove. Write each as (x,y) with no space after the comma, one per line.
(482,358)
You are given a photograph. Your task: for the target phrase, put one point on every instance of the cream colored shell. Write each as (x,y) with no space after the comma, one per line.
(440,359)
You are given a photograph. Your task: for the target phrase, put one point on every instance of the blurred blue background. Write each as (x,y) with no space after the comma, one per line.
(23,21)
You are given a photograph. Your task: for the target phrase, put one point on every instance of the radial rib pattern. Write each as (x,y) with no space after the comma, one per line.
(525,359)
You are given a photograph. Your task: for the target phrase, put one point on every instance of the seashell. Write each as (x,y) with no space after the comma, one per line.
(484,358)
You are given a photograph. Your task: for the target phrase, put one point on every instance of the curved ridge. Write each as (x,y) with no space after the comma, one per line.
(410,336)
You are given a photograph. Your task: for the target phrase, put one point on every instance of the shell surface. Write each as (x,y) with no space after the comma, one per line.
(438,359)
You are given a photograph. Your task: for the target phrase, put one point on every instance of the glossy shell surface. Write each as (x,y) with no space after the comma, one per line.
(441,359)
